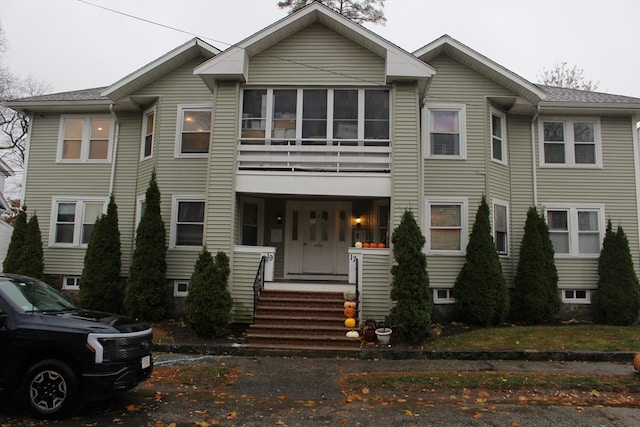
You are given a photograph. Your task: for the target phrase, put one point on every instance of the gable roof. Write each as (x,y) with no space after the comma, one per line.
(155,69)
(86,100)
(233,63)
(449,46)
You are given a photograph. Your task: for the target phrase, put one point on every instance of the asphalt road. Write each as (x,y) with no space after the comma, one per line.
(278,391)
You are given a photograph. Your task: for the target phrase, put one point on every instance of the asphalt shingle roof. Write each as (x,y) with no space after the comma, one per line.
(560,94)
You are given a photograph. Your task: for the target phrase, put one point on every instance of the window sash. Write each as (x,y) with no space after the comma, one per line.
(500,225)
(570,142)
(147,134)
(575,231)
(85,139)
(189,223)
(445,226)
(75,220)
(498,141)
(195,130)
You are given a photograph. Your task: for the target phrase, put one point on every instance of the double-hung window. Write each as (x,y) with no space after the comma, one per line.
(147,133)
(85,139)
(445,131)
(501,227)
(446,226)
(189,222)
(73,221)
(576,231)
(498,137)
(194,130)
(570,142)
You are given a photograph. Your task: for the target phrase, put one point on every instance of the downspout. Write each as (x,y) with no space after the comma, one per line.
(635,137)
(115,148)
(534,174)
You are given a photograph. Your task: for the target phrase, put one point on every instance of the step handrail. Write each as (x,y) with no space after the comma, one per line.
(258,284)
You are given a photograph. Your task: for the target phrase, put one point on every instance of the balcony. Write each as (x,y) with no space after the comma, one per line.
(314,155)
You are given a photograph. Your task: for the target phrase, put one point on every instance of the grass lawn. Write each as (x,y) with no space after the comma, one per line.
(581,337)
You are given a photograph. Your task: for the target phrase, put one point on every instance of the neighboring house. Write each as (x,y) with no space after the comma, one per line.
(316,133)
(5,229)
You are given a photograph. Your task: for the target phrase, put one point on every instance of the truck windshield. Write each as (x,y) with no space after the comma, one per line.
(34,295)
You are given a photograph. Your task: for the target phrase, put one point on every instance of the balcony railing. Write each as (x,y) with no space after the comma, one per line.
(318,155)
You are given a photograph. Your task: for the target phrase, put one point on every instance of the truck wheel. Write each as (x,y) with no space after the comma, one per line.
(50,389)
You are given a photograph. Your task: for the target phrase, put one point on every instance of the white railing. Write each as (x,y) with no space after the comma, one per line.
(315,155)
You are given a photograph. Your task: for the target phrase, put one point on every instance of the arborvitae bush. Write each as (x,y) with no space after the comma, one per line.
(209,303)
(535,298)
(100,287)
(411,315)
(32,255)
(146,294)
(480,289)
(11,262)
(617,300)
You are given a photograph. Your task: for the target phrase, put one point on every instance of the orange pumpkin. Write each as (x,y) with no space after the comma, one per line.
(381,245)
(350,304)
(366,245)
(350,322)
(349,312)
(636,361)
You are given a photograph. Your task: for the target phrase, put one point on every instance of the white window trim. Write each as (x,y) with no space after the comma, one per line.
(576,300)
(573,227)
(174,220)
(448,300)
(193,107)
(86,138)
(145,120)
(75,287)
(569,144)
(426,129)
(79,215)
(503,125)
(176,288)
(464,223)
(139,202)
(495,202)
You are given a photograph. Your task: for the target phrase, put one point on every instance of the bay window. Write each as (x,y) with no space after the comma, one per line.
(188,223)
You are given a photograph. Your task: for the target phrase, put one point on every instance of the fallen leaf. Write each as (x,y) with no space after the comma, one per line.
(365,390)
(595,393)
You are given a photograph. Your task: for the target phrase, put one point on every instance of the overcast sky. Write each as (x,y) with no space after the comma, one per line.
(74,45)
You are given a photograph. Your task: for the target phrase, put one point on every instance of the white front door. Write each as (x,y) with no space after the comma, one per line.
(317,239)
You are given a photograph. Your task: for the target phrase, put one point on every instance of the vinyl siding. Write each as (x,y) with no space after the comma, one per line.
(376,286)
(316,55)
(472,177)
(47,179)
(613,186)
(244,268)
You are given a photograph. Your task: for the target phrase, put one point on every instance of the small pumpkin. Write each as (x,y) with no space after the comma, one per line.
(636,361)
(349,312)
(353,334)
(350,322)
(350,304)
(366,245)
(381,245)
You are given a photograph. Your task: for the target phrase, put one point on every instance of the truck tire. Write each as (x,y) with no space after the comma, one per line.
(50,389)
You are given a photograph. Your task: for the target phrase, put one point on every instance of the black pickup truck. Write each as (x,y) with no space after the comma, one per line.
(56,355)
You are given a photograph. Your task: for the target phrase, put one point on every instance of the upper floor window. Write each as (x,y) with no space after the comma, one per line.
(73,221)
(501,227)
(498,137)
(188,223)
(575,230)
(147,133)
(570,142)
(447,224)
(314,116)
(194,130)
(85,139)
(445,131)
